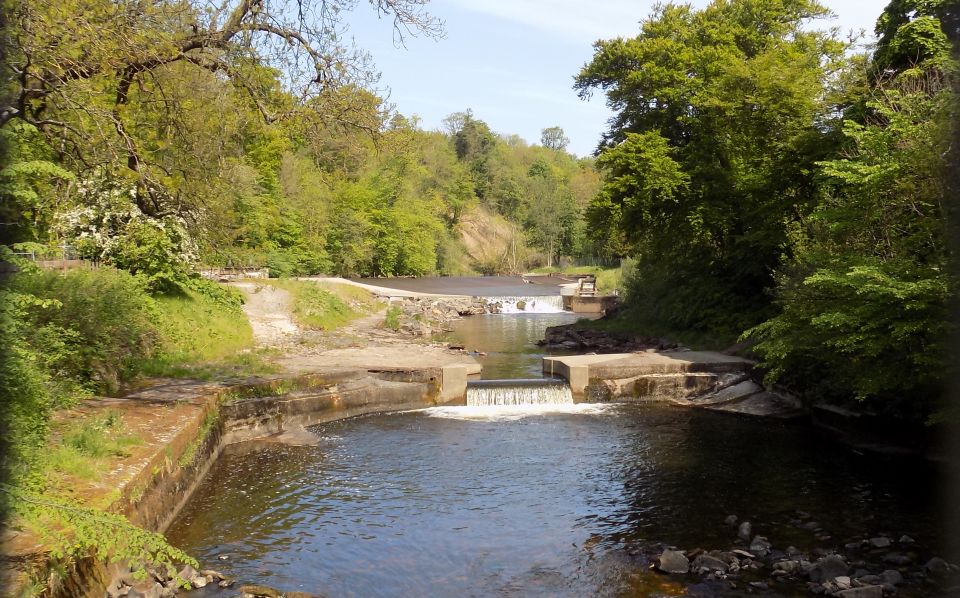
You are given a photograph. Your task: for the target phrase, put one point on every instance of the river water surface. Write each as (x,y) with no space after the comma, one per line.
(568,500)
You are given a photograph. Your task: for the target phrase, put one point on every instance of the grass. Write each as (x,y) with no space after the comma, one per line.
(204,339)
(85,446)
(608,279)
(325,305)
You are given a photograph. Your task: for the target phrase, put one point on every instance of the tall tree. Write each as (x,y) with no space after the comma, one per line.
(731,94)
(554,138)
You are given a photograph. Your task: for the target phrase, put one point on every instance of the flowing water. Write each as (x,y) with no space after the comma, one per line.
(523,493)
(538,501)
(488,393)
(508,341)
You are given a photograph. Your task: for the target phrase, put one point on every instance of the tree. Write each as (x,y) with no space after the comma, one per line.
(111,61)
(734,91)
(863,304)
(553,138)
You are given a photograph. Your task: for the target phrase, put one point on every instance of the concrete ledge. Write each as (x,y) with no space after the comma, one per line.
(581,370)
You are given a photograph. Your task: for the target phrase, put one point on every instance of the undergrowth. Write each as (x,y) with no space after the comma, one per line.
(327,306)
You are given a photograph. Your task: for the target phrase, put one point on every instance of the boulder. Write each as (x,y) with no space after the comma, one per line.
(880,542)
(897,559)
(261,591)
(862,592)
(709,563)
(745,531)
(892,577)
(145,589)
(828,568)
(673,561)
(937,567)
(760,546)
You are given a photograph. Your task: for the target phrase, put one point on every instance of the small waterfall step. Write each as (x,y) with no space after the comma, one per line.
(547,304)
(533,391)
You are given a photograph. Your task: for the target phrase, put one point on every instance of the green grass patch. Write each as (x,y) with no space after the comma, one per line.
(392,318)
(325,305)
(85,446)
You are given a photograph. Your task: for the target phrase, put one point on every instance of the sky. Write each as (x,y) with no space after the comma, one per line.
(513,61)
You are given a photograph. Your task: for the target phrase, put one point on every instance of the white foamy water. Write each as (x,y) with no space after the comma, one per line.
(551,304)
(520,392)
(514,412)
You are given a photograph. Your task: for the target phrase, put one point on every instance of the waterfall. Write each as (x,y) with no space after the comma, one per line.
(549,304)
(518,392)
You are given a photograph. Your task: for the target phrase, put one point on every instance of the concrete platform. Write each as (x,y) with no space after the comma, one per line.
(580,370)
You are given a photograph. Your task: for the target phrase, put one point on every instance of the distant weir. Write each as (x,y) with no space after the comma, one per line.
(483,393)
(550,304)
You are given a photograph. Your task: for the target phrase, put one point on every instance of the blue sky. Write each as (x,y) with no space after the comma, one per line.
(513,61)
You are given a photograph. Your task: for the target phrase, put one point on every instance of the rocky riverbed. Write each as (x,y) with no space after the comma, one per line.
(570,337)
(867,567)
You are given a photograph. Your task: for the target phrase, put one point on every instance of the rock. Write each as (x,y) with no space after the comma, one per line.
(760,585)
(673,561)
(897,559)
(168,593)
(117,588)
(870,579)
(827,568)
(301,595)
(905,539)
(787,566)
(199,581)
(211,573)
(744,554)
(760,546)
(862,592)
(709,563)
(892,577)
(880,542)
(187,573)
(937,567)
(731,520)
(745,531)
(843,582)
(224,557)
(145,589)
(260,591)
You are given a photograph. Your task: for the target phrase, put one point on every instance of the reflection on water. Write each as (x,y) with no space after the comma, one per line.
(562,504)
(509,342)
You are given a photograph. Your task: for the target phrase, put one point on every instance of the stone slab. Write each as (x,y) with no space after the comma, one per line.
(579,370)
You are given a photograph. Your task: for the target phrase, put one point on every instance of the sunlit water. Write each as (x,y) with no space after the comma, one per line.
(565,500)
(508,341)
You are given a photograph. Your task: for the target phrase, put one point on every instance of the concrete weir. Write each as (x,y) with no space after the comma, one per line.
(692,378)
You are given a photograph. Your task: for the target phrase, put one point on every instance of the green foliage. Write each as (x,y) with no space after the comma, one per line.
(90,326)
(718,124)
(326,306)
(863,306)
(392,318)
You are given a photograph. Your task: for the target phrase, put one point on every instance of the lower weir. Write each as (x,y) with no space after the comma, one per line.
(518,392)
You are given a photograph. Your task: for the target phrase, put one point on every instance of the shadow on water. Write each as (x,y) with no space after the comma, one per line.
(420,503)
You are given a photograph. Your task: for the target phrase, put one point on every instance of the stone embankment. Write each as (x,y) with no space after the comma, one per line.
(569,337)
(865,567)
(689,378)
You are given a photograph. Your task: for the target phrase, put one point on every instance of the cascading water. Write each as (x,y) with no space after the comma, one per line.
(484,393)
(549,304)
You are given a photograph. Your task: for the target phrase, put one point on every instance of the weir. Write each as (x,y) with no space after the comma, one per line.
(533,391)
(548,304)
